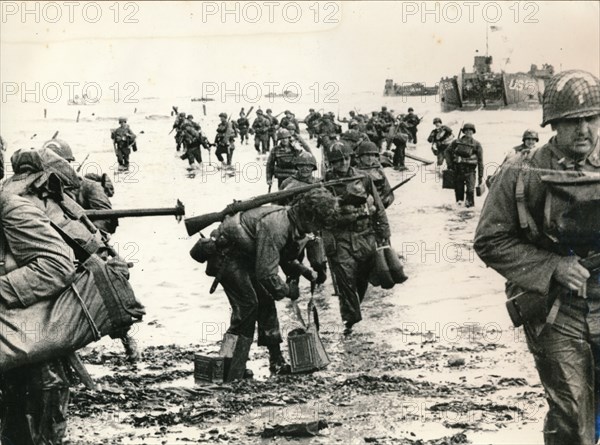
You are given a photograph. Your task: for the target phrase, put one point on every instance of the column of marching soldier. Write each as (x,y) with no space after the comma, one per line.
(539,228)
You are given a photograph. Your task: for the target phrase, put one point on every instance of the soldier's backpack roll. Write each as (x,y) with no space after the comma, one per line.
(98,302)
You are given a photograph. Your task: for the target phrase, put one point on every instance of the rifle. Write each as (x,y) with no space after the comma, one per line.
(197,223)
(55,134)
(417,158)
(397,186)
(81,165)
(178,211)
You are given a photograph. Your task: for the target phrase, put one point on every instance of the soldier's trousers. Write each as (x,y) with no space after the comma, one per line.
(413,134)
(567,357)
(243,136)
(464,177)
(224,150)
(250,303)
(123,155)
(399,153)
(351,259)
(34,405)
(194,154)
(443,155)
(261,143)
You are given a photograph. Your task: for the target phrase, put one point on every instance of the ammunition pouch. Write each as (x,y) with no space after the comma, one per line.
(526,306)
(464,150)
(204,249)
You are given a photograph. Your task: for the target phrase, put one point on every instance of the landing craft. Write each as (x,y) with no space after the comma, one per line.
(485,89)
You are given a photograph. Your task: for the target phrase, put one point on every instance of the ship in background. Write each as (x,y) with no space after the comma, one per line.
(408,89)
(489,90)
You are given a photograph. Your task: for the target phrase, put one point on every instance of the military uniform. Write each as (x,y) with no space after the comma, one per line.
(255,244)
(243,127)
(36,265)
(541,211)
(280,163)
(398,135)
(412,122)
(224,142)
(273,126)
(350,246)
(441,138)
(124,140)
(261,126)
(466,157)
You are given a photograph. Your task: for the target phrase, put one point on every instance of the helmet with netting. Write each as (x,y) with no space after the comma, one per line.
(569,95)
(318,206)
(305,158)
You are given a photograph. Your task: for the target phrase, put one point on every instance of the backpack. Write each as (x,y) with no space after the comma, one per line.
(99,300)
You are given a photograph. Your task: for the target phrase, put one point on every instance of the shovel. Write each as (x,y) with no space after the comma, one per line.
(312,308)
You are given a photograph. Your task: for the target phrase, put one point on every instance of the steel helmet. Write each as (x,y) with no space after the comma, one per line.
(305,158)
(223,115)
(571,94)
(189,116)
(339,151)
(469,126)
(122,120)
(259,111)
(181,114)
(437,120)
(531,134)
(61,148)
(283,134)
(411,109)
(367,148)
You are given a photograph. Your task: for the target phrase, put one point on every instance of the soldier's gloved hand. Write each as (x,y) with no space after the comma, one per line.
(570,273)
(294,292)
(321,273)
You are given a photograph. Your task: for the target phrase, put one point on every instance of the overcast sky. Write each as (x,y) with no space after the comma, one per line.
(171,48)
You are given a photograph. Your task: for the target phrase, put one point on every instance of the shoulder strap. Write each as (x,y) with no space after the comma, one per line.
(526,221)
(79,251)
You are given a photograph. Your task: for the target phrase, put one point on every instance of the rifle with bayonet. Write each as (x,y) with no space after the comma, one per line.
(197,223)
(397,186)
(178,211)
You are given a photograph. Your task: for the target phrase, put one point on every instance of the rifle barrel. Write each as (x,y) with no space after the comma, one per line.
(178,210)
(397,186)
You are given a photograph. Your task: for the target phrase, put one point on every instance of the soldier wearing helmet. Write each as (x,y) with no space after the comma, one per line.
(192,138)
(412,122)
(290,119)
(361,226)
(273,127)
(398,135)
(61,148)
(224,141)
(256,244)
(260,128)
(310,120)
(243,125)
(177,125)
(466,159)
(281,160)
(539,220)
(367,155)
(123,141)
(440,139)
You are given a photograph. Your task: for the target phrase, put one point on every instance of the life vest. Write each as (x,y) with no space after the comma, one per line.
(571,220)
(284,162)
